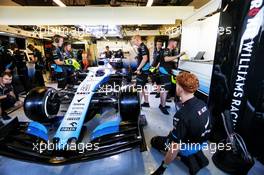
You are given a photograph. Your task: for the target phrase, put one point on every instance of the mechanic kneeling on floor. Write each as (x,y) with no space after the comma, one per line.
(191,128)
(7,96)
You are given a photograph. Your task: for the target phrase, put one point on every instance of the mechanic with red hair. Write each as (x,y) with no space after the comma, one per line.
(191,125)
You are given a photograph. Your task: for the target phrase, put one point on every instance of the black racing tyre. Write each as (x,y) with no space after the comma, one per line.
(41,104)
(129,104)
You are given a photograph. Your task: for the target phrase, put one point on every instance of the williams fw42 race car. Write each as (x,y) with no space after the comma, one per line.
(86,131)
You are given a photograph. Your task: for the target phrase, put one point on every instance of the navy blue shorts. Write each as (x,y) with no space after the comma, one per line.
(142,79)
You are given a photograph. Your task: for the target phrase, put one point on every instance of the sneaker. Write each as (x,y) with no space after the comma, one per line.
(157,95)
(167,107)
(145,105)
(164,110)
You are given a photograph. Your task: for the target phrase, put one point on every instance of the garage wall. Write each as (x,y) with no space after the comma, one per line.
(37,44)
(200,36)
(126,46)
(115,45)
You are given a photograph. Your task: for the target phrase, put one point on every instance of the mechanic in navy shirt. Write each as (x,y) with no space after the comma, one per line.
(67,50)
(20,63)
(142,67)
(157,54)
(119,54)
(6,58)
(64,72)
(57,54)
(7,96)
(167,63)
(108,53)
(191,124)
(39,65)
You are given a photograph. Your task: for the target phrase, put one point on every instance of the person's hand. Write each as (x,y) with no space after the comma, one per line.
(18,104)
(152,69)
(160,170)
(137,72)
(8,95)
(182,53)
(7,70)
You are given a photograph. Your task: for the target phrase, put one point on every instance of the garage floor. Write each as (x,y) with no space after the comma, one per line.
(127,163)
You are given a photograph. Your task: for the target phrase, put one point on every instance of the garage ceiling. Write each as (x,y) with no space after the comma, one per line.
(103,2)
(195,3)
(93,15)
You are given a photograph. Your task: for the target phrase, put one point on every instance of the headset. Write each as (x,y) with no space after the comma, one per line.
(57,38)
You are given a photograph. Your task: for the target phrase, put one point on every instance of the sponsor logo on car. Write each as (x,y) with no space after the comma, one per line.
(77,108)
(85,88)
(73,118)
(75,113)
(73,124)
(78,104)
(68,128)
(83,93)
(79,100)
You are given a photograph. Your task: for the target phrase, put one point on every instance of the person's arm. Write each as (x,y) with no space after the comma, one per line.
(35,59)
(172,58)
(176,135)
(11,64)
(12,94)
(59,62)
(172,153)
(143,62)
(3,97)
(157,65)
(169,157)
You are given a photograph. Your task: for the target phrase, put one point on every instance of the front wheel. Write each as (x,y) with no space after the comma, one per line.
(129,104)
(41,104)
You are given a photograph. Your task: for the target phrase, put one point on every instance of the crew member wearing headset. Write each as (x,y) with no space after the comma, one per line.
(58,59)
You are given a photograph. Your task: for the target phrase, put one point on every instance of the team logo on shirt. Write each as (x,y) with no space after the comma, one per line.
(203,110)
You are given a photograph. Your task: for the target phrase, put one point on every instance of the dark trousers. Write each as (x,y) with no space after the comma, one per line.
(65,77)
(39,80)
(7,103)
(24,78)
